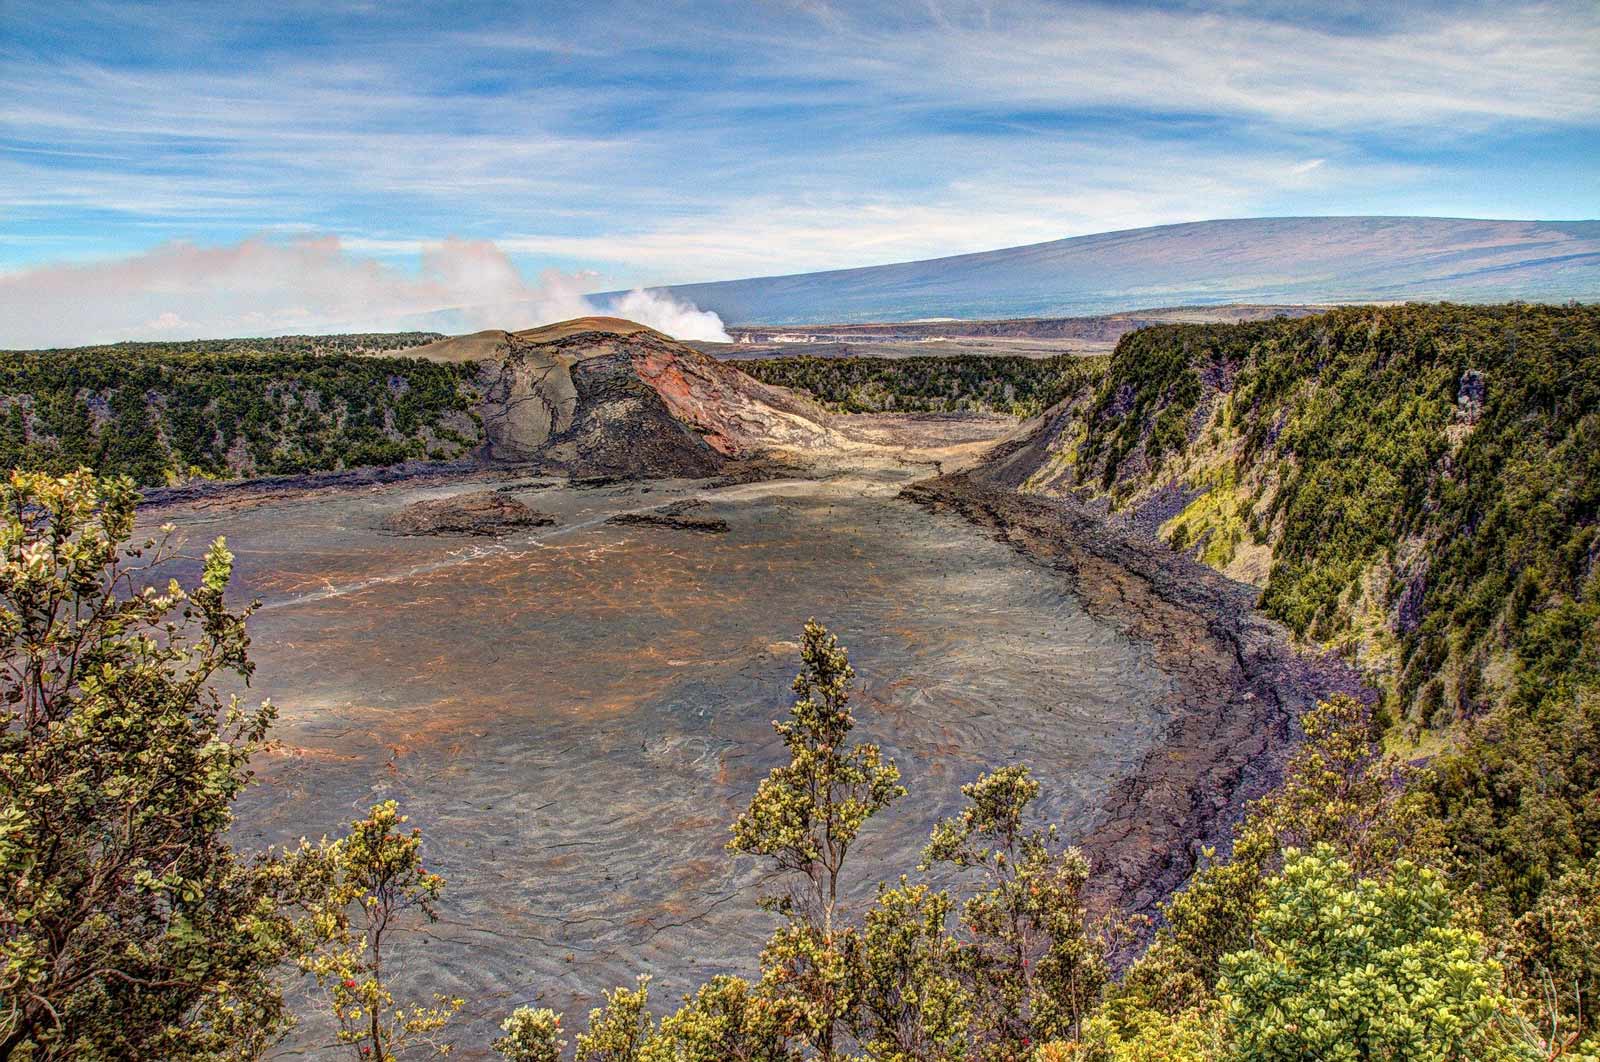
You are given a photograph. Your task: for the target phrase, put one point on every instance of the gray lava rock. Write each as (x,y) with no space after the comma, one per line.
(675,516)
(479,513)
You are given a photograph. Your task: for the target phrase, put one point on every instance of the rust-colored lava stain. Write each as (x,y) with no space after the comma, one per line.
(574,715)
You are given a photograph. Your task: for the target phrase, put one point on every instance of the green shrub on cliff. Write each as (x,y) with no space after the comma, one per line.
(1338,789)
(1451,451)
(1477,431)
(1349,968)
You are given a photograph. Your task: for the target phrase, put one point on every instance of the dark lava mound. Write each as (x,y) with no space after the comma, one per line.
(478,513)
(677,516)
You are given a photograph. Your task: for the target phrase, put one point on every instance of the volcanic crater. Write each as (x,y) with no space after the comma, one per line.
(575,709)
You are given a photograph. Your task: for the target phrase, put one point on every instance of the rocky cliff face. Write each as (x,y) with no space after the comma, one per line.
(605,396)
(735,414)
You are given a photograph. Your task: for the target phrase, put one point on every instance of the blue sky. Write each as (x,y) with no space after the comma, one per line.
(654,143)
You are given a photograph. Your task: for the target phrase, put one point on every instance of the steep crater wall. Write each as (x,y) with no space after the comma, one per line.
(1417,487)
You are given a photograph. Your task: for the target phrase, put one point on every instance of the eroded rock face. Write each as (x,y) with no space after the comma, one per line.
(600,396)
(479,513)
(573,399)
(528,397)
(735,414)
(621,426)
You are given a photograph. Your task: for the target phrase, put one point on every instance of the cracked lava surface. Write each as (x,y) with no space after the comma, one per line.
(575,714)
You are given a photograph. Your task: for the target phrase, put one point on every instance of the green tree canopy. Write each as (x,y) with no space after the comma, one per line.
(1349,968)
(128,926)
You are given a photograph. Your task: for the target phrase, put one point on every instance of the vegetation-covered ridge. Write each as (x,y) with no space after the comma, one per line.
(1418,485)
(171,412)
(1015,386)
(335,343)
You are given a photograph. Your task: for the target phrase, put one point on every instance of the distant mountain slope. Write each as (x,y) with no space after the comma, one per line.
(1249,260)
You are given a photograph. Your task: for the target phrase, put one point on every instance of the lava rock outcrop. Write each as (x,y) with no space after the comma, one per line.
(478,513)
(603,396)
(678,516)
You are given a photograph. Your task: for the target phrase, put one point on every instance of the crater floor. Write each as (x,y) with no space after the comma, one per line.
(574,714)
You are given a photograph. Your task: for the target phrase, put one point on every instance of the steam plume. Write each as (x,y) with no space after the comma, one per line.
(664,313)
(259,287)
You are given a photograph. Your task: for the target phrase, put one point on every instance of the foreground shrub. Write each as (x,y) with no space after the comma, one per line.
(725,1021)
(128,925)
(531,1035)
(1144,1036)
(1032,966)
(1355,968)
(805,817)
(368,884)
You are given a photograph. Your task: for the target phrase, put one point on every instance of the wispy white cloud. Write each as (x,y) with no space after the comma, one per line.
(1434,70)
(663,143)
(982,210)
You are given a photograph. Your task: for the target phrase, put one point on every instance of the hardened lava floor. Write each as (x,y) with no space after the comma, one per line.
(574,714)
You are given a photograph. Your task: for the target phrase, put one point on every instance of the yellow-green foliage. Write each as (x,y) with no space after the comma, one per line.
(805,817)
(619,1030)
(1061,461)
(724,1021)
(531,1034)
(1555,955)
(1344,968)
(914,1006)
(1216,518)
(1146,1036)
(1033,970)
(1518,795)
(1365,631)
